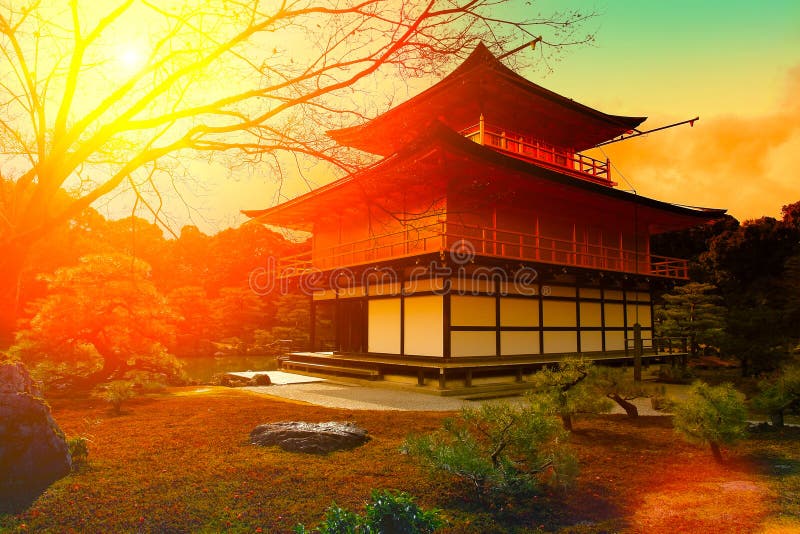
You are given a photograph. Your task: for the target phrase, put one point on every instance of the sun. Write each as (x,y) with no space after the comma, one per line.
(130,57)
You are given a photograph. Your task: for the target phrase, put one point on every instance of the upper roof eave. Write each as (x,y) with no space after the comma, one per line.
(372,136)
(442,138)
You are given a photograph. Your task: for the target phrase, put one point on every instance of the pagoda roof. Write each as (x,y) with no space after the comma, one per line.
(483,85)
(444,162)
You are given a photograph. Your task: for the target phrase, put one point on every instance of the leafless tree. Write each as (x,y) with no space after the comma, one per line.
(98,96)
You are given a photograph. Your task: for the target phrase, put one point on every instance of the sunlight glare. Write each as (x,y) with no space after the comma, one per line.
(130,57)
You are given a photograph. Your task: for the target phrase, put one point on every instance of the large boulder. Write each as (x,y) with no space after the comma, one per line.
(315,438)
(33,450)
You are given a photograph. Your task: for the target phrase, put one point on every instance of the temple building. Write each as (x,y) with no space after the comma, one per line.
(483,244)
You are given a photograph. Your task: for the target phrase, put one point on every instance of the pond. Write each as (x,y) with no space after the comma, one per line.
(203,368)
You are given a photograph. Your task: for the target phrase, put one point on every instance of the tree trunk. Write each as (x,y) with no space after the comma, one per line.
(716,452)
(776,418)
(11,267)
(566,420)
(629,407)
(113,368)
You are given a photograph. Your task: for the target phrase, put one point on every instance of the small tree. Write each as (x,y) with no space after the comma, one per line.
(713,415)
(779,394)
(692,311)
(101,319)
(388,512)
(116,393)
(501,450)
(619,386)
(568,390)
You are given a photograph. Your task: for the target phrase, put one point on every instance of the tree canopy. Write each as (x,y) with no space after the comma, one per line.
(100,319)
(100,95)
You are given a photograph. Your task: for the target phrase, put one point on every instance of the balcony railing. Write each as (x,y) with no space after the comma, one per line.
(529,149)
(465,240)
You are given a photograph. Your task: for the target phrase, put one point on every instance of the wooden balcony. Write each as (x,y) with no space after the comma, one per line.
(541,153)
(464,240)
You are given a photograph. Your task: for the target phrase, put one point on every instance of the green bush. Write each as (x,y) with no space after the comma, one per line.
(570,388)
(712,415)
(501,451)
(117,393)
(618,385)
(780,394)
(675,374)
(78,451)
(388,513)
(659,399)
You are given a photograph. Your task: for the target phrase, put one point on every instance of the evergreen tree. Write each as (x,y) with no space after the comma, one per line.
(712,415)
(568,389)
(101,319)
(692,311)
(780,393)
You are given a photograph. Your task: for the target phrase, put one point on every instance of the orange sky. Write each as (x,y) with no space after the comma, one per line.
(735,64)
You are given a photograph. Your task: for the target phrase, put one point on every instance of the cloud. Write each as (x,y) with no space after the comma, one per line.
(748,164)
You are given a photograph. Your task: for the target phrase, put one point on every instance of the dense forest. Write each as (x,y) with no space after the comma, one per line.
(106,290)
(750,272)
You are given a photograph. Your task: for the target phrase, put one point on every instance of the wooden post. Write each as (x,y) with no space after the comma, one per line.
(313,324)
(481,130)
(637,352)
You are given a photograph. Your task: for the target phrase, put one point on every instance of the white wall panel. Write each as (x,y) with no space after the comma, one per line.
(472,311)
(559,313)
(614,314)
(591,314)
(423,325)
(518,342)
(591,341)
(615,340)
(519,312)
(560,342)
(383,320)
(473,344)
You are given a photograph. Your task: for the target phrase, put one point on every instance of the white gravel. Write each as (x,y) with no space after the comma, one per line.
(355,397)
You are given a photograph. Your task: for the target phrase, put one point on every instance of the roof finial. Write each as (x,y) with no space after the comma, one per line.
(532,44)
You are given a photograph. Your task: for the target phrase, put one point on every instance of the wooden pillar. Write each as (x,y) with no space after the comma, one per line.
(312,334)
(637,352)
(481,130)
(337,319)
(446,322)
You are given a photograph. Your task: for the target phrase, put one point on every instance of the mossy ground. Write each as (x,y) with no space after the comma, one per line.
(181,462)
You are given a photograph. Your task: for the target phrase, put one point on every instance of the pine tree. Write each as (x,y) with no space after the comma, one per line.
(692,311)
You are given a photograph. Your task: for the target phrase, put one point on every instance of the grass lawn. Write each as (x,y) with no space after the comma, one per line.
(181,462)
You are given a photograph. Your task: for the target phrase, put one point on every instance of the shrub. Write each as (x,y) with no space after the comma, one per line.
(713,415)
(780,394)
(117,393)
(79,451)
(388,513)
(659,399)
(501,451)
(675,374)
(618,385)
(569,389)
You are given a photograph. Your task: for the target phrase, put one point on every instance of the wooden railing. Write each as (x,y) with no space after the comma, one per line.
(527,148)
(660,345)
(465,240)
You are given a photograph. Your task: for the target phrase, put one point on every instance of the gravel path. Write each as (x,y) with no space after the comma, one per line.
(354,397)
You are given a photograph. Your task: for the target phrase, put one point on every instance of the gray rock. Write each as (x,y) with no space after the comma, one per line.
(314,438)
(33,450)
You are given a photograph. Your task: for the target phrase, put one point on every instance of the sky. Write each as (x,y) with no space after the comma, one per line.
(735,64)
